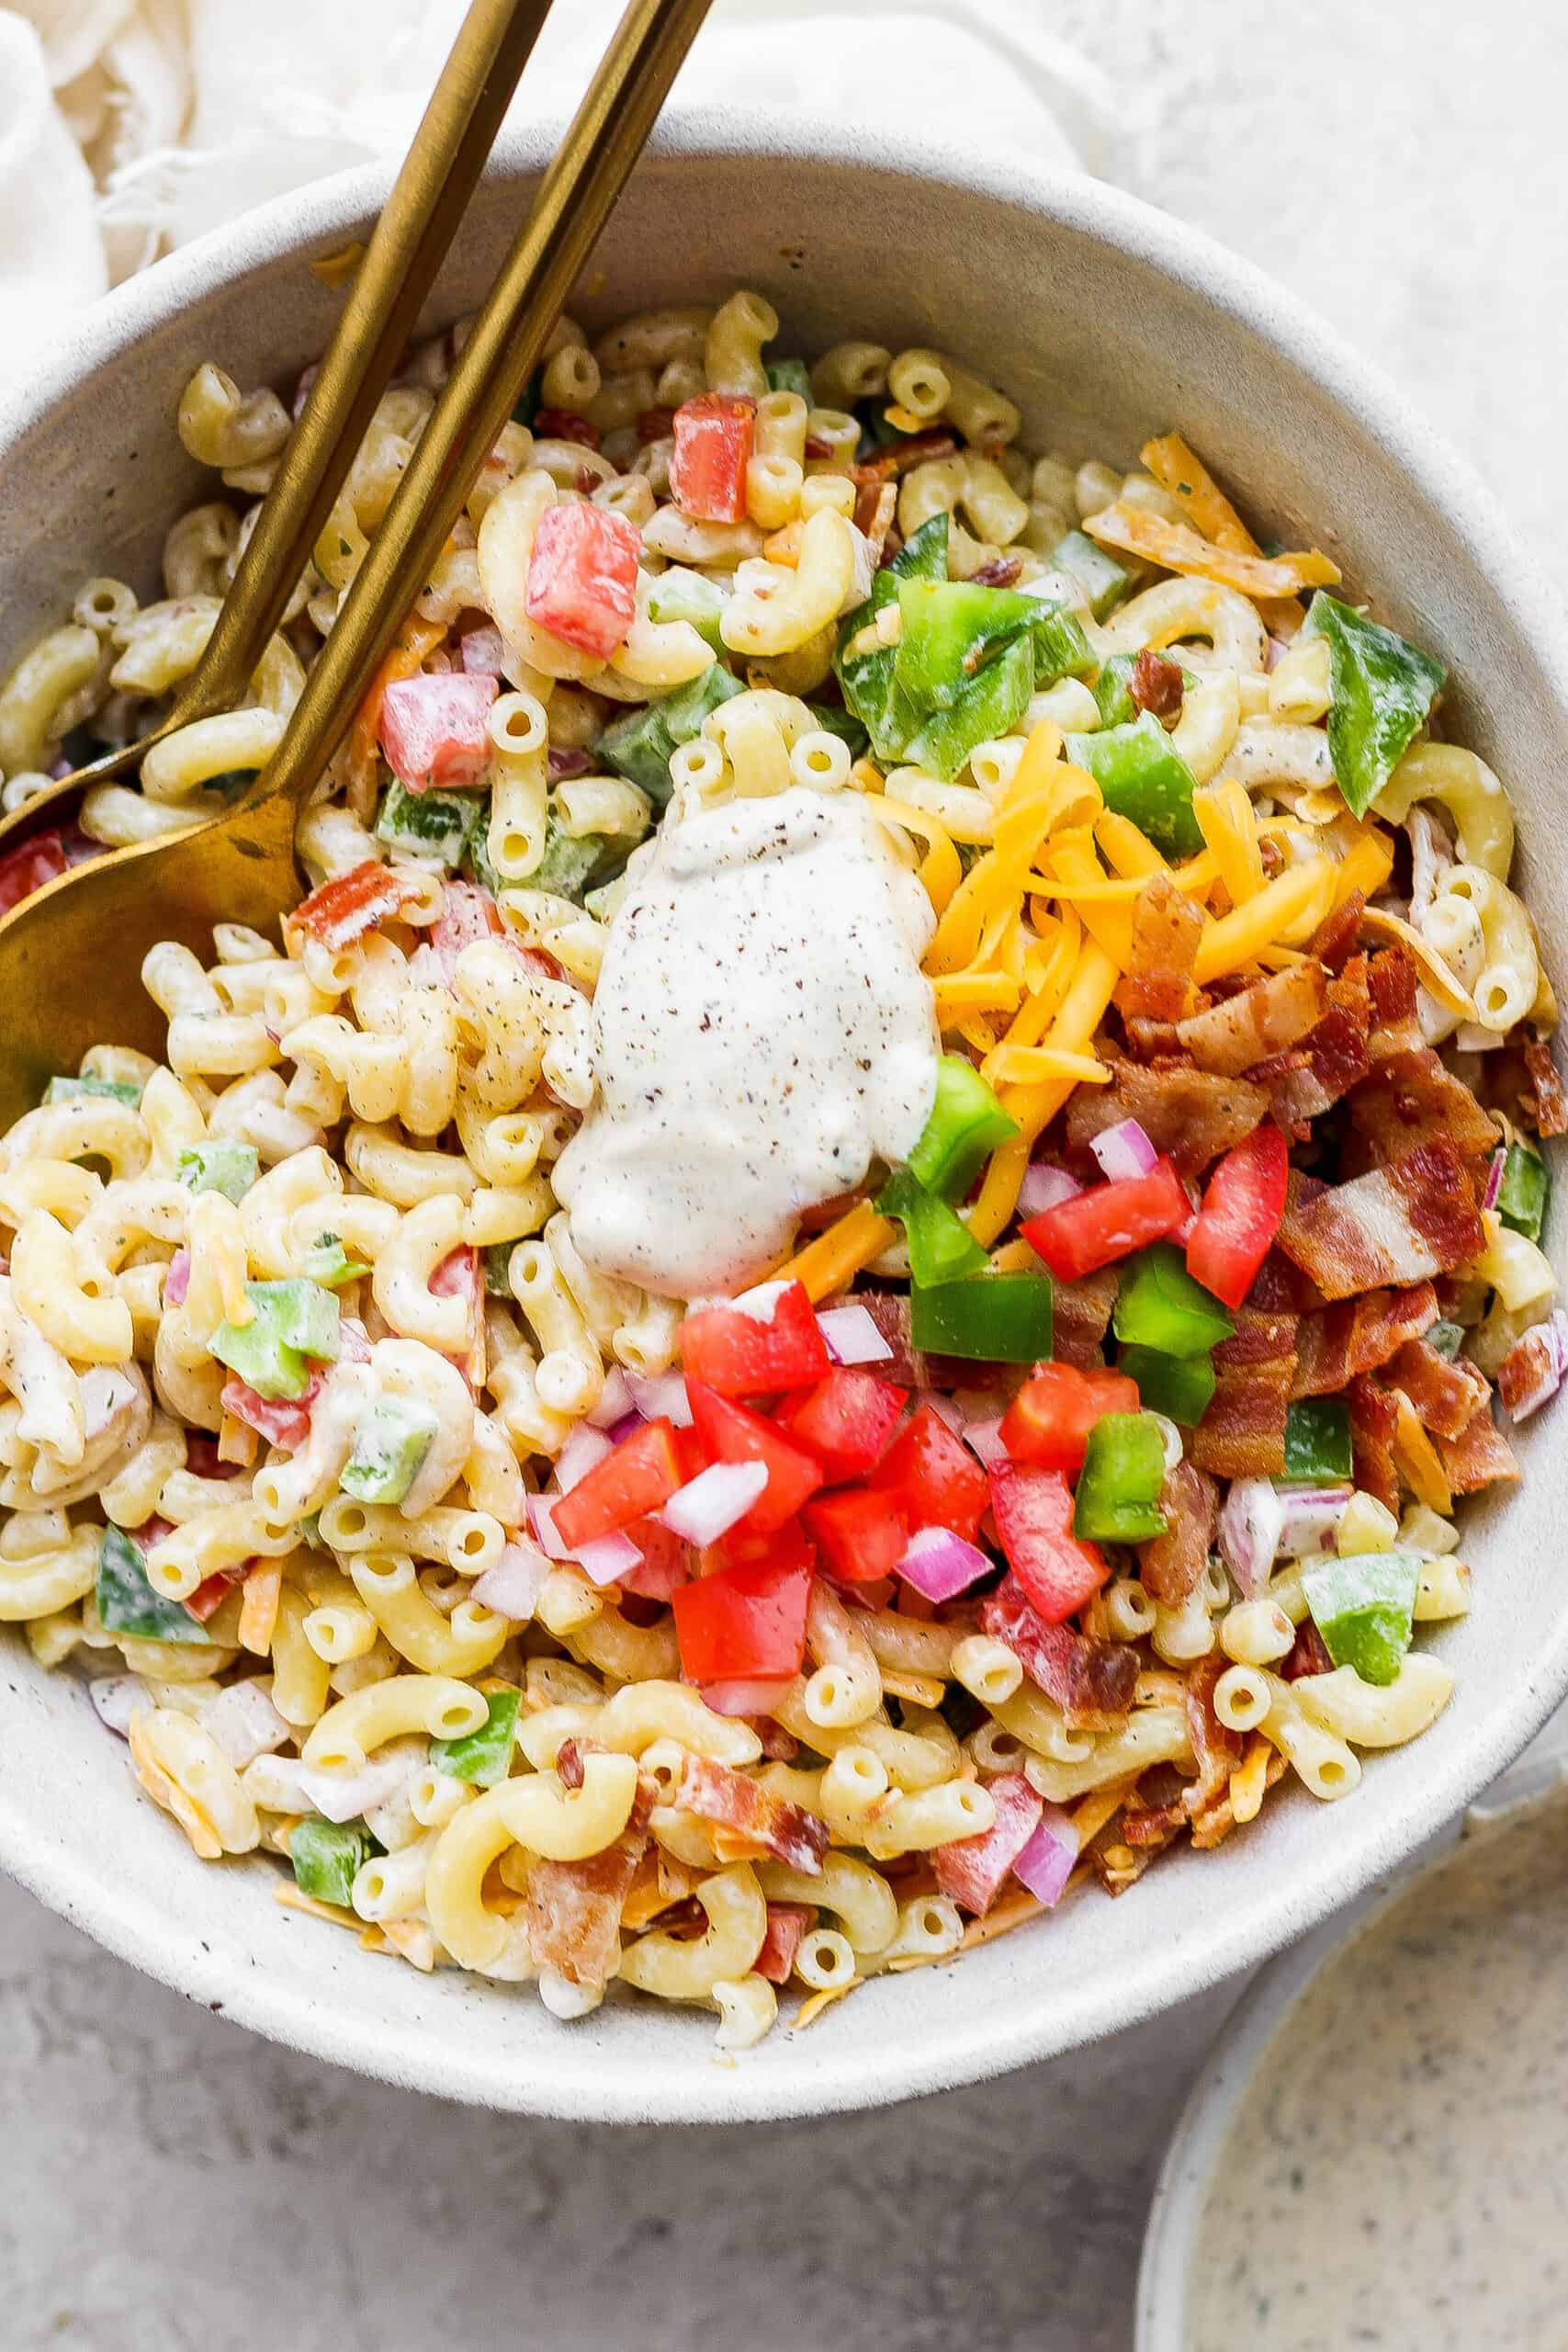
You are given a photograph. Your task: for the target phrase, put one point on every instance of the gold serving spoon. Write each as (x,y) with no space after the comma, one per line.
(70,953)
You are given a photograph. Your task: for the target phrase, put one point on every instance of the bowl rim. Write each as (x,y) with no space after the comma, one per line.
(978,2044)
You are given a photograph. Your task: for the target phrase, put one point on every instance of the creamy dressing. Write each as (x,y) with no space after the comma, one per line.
(1395,2175)
(763,1031)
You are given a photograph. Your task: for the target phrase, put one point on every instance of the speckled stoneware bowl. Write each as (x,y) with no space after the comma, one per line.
(1105,321)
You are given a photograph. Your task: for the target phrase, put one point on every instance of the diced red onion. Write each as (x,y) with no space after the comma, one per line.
(59,768)
(760,1304)
(708,1505)
(565,760)
(939,1565)
(1494,1179)
(483,652)
(944,1408)
(1312,1519)
(624,1426)
(607,1557)
(737,1698)
(1044,1187)
(245,1723)
(615,1401)
(1170,1437)
(338,1796)
(177,1281)
(512,1588)
(115,1697)
(1048,1860)
(1274,652)
(1251,1520)
(583,1450)
(1123,1152)
(661,1397)
(850,1336)
(541,1520)
(985,1440)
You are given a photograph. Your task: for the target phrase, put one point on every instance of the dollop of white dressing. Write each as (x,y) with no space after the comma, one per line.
(763,1031)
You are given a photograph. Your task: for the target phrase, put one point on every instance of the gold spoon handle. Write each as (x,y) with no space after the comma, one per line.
(590,166)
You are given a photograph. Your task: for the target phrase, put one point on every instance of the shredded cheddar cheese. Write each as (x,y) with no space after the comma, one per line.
(1226,821)
(1132,530)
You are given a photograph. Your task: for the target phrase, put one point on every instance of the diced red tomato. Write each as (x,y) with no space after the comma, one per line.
(582,577)
(785,1547)
(932,1477)
(691,1453)
(1243,1202)
(348,905)
(787,1922)
(177,1281)
(743,1622)
(733,1432)
(281,1421)
(634,1478)
(1033,1512)
(436,729)
(861,1534)
(564,425)
(1049,1421)
(26,868)
(210,1594)
(1093,1228)
(713,448)
(971,1871)
(847,1420)
(665,1561)
(740,1355)
(460,1275)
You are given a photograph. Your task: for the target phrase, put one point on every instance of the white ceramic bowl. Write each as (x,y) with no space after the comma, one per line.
(1106,321)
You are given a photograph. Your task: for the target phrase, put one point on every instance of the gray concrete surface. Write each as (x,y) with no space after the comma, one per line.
(168,2184)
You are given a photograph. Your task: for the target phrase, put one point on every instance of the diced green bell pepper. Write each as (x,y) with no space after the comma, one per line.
(1364,1607)
(1380,690)
(866,677)
(1177,1386)
(484,1755)
(389,1444)
(329,1263)
(481,864)
(1447,1337)
(789,376)
(571,861)
(1117,1500)
(118,1090)
(638,746)
(1159,1306)
(1525,1191)
(293,1322)
(1061,649)
(941,1248)
(682,595)
(221,1167)
(328,1856)
(127,1602)
(497,1258)
(966,1125)
(1143,776)
(428,824)
(1101,577)
(991,704)
(1317,1442)
(950,629)
(998,1318)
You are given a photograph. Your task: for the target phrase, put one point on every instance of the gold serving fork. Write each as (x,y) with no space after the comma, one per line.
(70,953)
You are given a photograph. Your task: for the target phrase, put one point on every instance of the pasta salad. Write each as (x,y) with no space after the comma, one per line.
(846,1269)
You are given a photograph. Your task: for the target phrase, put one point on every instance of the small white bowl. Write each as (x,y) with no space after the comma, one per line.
(1106,321)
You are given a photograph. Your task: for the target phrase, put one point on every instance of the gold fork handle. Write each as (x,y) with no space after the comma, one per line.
(606,135)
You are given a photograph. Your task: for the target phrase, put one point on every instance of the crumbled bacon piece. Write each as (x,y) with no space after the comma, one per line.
(716,1793)
(1155,684)
(1410,1099)
(1172,1564)
(1392,978)
(1548,1103)
(655,425)
(1091,1680)
(1156,988)
(897,457)
(1446,1392)
(561,424)
(1265,1019)
(1242,1435)
(1334,941)
(1401,1224)
(1216,1749)
(573,1912)
(1308,1654)
(1358,1335)
(971,1871)
(568,1764)
(1000,572)
(1329,1061)
(347,906)
(1374,1416)
(1083,1311)
(1531,1371)
(1190,1114)
(1480,1456)
(788,1923)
